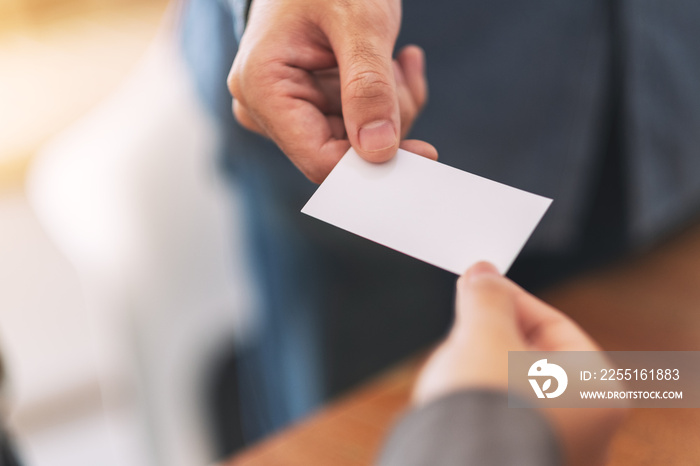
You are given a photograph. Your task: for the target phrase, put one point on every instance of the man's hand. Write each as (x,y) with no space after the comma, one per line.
(317,76)
(494,316)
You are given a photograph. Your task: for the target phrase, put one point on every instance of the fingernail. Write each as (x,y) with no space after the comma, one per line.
(482,268)
(378,135)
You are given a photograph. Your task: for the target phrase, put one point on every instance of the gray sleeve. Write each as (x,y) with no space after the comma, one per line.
(239,9)
(474,427)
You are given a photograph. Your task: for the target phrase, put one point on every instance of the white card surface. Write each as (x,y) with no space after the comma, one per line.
(428,210)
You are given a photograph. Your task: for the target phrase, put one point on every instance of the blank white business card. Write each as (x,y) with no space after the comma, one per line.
(428,210)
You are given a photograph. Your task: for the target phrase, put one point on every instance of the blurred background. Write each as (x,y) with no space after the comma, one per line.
(119,287)
(126,294)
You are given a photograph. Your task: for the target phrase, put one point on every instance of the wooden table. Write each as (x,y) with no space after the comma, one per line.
(649,302)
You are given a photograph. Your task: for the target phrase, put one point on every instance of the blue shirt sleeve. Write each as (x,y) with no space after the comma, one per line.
(239,8)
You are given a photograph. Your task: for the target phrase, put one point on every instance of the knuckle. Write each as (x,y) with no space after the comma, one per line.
(367,77)
(368,85)
(234,79)
(233,84)
(248,73)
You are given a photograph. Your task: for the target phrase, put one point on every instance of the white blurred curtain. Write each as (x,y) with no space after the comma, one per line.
(132,196)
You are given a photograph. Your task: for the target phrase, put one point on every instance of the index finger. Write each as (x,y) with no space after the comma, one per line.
(305,134)
(291,110)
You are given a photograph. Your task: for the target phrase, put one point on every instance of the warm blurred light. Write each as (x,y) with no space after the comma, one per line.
(59,58)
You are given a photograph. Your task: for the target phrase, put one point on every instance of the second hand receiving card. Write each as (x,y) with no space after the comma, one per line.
(431,211)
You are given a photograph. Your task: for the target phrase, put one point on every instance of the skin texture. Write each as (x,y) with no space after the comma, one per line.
(494,316)
(317,76)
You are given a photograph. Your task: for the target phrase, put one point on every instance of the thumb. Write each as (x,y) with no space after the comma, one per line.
(475,354)
(486,306)
(369,96)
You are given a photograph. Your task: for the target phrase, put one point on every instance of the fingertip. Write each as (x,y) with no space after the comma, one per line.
(421,148)
(481,268)
(485,296)
(477,272)
(412,61)
(412,55)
